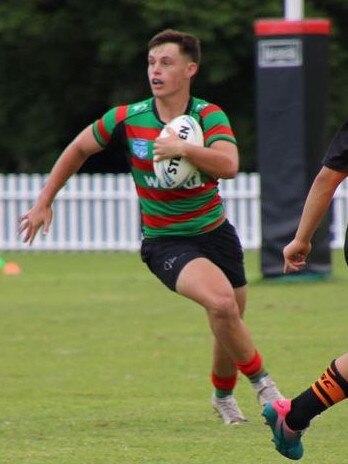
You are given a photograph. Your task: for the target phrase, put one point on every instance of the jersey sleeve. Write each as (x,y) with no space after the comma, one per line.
(336,157)
(216,125)
(104,127)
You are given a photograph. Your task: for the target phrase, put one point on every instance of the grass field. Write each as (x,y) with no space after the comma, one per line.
(101,364)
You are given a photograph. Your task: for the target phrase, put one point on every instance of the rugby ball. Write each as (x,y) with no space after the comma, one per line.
(174,172)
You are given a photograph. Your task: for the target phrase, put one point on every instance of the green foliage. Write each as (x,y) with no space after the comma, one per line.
(64,62)
(101,364)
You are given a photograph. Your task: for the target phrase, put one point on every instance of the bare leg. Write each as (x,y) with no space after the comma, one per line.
(205,283)
(342,365)
(223,365)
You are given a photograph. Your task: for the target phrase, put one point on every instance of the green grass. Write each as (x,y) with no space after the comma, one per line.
(101,364)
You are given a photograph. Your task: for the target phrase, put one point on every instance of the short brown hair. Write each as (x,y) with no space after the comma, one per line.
(188,43)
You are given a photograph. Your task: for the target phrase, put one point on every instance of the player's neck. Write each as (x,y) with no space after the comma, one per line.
(170,107)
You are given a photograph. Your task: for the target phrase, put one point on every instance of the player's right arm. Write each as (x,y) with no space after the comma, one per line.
(69,162)
(316,205)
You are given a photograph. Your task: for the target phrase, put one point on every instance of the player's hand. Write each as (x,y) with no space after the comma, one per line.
(31,221)
(295,255)
(168,147)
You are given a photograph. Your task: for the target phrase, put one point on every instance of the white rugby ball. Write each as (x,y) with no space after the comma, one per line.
(174,172)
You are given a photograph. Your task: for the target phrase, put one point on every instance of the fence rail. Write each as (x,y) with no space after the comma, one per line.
(100,212)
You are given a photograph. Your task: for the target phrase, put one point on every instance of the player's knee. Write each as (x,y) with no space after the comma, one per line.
(224,306)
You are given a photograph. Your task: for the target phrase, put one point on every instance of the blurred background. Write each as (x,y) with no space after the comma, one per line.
(64,62)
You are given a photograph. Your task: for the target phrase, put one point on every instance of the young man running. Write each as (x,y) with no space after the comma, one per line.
(289,418)
(187,241)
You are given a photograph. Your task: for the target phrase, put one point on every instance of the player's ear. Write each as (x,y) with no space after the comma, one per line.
(192,68)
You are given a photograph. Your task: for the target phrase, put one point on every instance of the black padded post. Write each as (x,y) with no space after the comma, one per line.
(292,106)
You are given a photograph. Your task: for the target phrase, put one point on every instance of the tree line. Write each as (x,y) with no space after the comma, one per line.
(65,62)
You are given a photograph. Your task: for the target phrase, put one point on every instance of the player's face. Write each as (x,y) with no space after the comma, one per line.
(169,71)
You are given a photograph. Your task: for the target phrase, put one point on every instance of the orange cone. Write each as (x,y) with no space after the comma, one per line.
(11,268)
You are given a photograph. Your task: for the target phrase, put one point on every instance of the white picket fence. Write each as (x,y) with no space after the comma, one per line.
(100,212)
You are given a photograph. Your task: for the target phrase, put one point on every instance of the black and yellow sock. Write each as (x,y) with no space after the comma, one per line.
(329,389)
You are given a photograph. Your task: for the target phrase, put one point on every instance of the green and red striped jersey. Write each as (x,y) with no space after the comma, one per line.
(190,210)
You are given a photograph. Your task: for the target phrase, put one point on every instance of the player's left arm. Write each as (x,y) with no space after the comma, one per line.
(220,159)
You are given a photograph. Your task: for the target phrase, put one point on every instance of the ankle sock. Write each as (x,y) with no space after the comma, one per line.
(223,385)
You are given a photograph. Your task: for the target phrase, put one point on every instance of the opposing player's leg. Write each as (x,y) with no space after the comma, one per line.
(341,364)
(329,389)
(289,418)
(287,441)
(205,283)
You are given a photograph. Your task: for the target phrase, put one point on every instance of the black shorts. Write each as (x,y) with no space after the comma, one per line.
(166,256)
